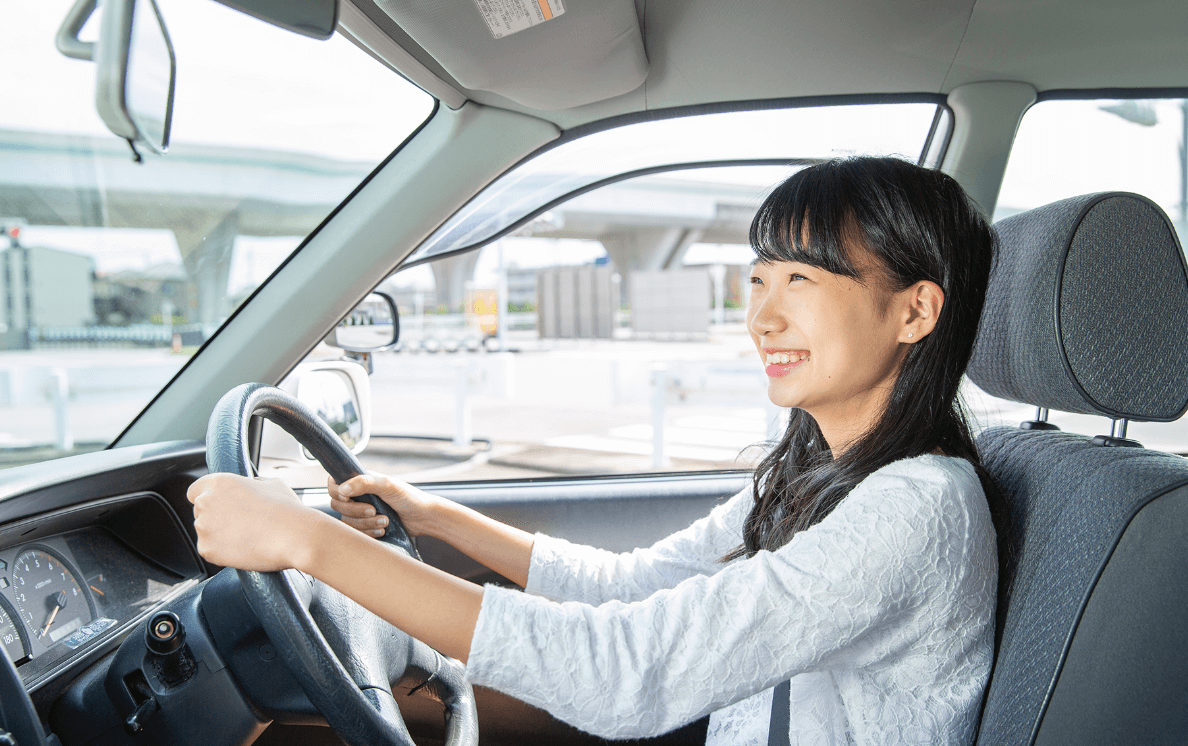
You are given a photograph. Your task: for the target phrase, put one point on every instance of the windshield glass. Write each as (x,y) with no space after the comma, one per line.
(113,273)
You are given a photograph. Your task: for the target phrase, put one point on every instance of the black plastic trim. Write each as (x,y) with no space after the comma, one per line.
(936,120)
(1087,94)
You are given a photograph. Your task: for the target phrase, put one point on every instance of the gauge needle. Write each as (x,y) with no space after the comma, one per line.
(59,604)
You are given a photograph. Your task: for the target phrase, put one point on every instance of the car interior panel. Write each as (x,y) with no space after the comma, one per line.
(549,204)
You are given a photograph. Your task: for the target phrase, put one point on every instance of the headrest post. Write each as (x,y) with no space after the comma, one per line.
(1118,428)
(1040,422)
(1117,437)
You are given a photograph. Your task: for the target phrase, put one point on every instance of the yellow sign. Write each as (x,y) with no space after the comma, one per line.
(482,311)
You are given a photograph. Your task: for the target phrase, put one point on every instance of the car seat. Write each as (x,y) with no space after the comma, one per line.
(1087,311)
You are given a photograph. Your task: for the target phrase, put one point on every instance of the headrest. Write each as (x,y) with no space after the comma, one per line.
(1087,310)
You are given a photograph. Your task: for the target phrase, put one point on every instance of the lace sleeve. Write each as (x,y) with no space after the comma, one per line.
(564,571)
(884,570)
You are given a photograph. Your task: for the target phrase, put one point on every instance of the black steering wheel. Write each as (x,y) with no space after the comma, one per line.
(349,677)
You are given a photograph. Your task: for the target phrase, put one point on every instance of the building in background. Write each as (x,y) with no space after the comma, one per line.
(42,287)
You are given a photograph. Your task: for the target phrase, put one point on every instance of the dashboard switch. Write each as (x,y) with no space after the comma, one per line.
(135,722)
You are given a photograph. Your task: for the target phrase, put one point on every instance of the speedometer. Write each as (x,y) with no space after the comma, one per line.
(48,596)
(11,637)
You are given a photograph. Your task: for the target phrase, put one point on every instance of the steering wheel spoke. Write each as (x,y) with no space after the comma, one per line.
(345,658)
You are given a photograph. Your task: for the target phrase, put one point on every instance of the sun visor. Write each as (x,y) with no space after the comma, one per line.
(546,54)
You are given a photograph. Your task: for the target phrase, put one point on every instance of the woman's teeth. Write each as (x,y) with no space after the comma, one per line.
(784,358)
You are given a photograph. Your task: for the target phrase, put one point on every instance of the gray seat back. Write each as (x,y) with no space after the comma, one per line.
(1087,312)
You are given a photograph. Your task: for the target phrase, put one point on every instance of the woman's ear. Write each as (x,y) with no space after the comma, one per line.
(922,304)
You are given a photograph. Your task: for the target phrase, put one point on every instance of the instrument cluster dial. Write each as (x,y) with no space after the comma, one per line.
(50,600)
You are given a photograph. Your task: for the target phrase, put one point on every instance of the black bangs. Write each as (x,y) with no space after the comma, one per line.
(813,204)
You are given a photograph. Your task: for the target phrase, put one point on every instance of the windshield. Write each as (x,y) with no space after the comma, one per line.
(113,273)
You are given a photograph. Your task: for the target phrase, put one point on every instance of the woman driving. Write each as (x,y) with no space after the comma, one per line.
(852,586)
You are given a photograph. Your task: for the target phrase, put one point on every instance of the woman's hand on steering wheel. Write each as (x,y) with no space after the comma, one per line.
(251,524)
(415,507)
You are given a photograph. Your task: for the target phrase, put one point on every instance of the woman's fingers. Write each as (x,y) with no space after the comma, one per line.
(369,526)
(364,520)
(351,509)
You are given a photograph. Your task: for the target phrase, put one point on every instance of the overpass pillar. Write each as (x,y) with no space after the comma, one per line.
(450,275)
(206,252)
(647,250)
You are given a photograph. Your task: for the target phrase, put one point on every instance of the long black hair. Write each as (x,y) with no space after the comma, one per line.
(919,225)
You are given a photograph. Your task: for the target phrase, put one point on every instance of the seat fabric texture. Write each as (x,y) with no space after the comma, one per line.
(1071,503)
(1086,311)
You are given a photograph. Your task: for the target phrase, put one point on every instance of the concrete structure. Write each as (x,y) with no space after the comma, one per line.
(575,302)
(206,195)
(210,195)
(42,287)
(672,303)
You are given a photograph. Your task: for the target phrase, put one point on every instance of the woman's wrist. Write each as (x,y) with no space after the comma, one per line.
(310,535)
(436,521)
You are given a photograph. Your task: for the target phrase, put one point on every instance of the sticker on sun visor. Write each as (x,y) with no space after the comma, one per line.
(506,17)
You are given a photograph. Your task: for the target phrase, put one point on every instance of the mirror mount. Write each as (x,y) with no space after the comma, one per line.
(362,358)
(67,40)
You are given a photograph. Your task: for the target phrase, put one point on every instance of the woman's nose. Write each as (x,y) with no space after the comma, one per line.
(767,317)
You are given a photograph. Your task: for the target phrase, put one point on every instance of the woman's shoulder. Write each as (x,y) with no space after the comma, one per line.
(926,490)
(927,474)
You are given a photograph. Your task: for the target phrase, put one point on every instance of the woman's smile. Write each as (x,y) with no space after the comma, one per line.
(781,362)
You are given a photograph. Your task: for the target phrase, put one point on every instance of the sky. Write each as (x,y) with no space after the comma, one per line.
(240,82)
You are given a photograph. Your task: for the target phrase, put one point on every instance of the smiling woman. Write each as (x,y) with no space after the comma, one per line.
(866,530)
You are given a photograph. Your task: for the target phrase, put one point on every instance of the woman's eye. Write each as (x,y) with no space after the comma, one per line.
(756,281)
(794,278)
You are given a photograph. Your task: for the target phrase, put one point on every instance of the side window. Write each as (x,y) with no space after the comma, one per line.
(600,327)
(1068,148)
(622,348)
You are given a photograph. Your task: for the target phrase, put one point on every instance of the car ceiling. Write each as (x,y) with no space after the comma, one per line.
(706,51)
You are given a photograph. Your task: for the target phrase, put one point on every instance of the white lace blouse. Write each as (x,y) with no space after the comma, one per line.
(882,615)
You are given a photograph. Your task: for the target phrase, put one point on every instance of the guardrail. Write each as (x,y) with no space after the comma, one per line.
(136,335)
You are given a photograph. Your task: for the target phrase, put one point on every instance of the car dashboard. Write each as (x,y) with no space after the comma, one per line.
(75,579)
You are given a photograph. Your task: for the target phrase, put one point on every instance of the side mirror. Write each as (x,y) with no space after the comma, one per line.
(136,68)
(372,325)
(340,393)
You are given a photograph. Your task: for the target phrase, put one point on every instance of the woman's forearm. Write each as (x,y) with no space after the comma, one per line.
(502,548)
(432,606)
(506,550)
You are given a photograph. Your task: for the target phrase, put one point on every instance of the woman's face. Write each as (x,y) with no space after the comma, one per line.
(830,345)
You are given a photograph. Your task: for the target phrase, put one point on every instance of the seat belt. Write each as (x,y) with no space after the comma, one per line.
(777,730)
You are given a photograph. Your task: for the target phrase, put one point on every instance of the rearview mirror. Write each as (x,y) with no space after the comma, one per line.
(372,325)
(136,68)
(134,91)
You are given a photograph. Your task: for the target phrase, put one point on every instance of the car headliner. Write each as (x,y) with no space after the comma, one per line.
(703,51)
